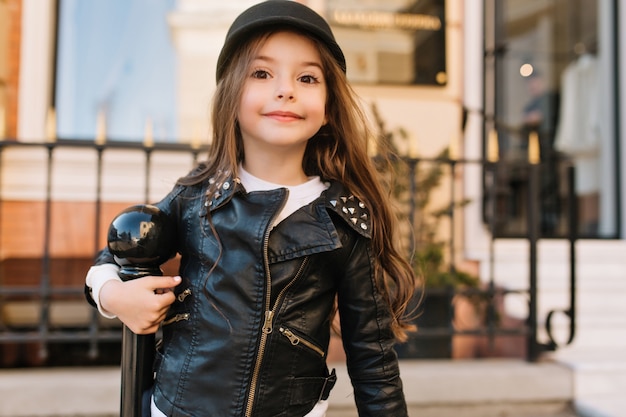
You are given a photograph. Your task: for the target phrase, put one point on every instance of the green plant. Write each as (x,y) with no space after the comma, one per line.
(412,184)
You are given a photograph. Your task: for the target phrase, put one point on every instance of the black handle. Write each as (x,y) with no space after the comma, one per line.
(141,238)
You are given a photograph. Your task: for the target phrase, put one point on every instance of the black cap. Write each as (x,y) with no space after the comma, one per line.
(277,13)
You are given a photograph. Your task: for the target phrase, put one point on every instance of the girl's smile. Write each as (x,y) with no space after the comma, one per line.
(284,116)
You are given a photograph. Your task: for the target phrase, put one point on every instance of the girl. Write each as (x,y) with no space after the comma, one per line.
(284,218)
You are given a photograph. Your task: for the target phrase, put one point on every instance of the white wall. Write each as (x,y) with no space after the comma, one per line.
(621,116)
(477,240)
(35,88)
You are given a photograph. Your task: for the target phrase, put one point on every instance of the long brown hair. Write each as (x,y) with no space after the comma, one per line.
(337,152)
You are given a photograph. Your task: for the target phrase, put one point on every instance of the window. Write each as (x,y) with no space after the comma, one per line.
(117,68)
(391,41)
(115,63)
(550,78)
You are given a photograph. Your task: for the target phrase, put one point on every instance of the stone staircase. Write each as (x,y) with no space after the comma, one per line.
(597,355)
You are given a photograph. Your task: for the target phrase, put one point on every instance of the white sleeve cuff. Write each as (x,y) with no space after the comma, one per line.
(98,276)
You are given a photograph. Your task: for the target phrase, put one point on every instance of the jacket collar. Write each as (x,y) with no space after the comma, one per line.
(336,198)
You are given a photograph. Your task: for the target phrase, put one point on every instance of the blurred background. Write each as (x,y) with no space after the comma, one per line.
(507,115)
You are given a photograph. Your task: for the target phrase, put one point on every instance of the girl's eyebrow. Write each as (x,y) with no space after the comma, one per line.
(304,64)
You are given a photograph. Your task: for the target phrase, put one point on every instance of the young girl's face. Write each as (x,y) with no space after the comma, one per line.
(284,96)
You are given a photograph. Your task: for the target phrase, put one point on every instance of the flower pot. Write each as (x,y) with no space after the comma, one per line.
(433,339)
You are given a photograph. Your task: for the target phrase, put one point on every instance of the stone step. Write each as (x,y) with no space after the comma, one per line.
(600,378)
(476,388)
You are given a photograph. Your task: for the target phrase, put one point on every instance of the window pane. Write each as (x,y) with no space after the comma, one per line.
(553,82)
(115,58)
(391,41)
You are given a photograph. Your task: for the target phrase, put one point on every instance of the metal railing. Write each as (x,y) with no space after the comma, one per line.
(96,337)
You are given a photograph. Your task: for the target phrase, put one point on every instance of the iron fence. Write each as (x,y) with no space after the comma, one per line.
(33,287)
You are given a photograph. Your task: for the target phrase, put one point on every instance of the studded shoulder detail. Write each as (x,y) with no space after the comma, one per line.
(354,212)
(222,192)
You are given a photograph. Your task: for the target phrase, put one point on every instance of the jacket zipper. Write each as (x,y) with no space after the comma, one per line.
(181,316)
(269,315)
(176,319)
(181,297)
(267,324)
(267,329)
(296,340)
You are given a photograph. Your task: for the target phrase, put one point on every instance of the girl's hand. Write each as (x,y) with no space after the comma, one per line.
(142,303)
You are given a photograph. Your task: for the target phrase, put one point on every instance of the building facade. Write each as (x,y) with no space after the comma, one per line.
(490,80)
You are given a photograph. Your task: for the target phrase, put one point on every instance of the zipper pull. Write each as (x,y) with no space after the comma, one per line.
(267,325)
(289,335)
(181,297)
(176,318)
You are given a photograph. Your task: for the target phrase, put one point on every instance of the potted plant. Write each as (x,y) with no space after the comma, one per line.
(413,183)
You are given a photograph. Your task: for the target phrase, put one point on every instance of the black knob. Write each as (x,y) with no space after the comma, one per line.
(141,238)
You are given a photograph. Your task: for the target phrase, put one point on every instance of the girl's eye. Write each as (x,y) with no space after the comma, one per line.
(309,79)
(261,74)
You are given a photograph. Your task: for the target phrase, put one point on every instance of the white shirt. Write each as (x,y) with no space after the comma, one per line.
(299,195)
(579,133)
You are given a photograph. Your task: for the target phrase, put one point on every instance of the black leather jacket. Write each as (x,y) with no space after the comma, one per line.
(249,331)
